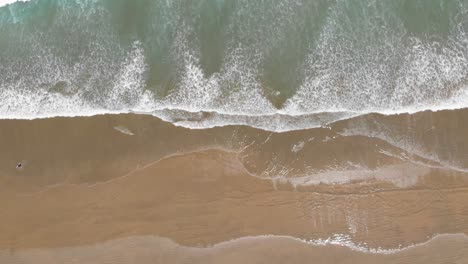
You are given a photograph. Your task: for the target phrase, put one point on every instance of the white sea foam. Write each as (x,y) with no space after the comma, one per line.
(6,2)
(124,130)
(343,240)
(334,87)
(402,176)
(199,102)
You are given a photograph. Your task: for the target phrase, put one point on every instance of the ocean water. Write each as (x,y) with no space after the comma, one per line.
(275,65)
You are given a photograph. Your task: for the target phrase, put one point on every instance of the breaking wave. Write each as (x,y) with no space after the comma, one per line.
(285,66)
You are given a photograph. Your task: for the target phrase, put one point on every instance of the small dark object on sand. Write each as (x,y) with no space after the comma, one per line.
(19,165)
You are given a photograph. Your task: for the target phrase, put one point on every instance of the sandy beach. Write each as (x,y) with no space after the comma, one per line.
(442,249)
(95,185)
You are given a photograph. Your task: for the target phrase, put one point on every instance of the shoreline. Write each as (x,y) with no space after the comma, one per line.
(170,115)
(84,182)
(260,249)
(159,195)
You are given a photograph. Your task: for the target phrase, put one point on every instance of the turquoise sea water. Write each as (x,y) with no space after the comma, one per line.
(299,63)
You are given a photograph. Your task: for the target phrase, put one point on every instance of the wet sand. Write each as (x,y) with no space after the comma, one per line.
(155,250)
(91,188)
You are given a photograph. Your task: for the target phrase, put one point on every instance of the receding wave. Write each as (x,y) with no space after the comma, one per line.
(400,150)
(284,66)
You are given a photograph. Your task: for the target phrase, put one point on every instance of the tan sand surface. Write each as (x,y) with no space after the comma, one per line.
(88,189)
